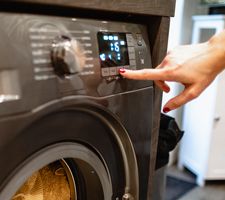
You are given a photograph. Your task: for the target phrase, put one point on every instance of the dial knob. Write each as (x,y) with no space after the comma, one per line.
(67,56)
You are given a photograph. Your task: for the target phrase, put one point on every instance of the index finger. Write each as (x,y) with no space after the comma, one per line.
(144,74)
(185,96)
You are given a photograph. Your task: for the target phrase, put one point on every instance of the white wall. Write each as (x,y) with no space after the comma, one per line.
(180,33)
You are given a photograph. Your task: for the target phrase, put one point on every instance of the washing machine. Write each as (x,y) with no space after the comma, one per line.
(71,128)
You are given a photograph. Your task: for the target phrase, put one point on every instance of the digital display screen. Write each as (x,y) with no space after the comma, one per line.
(113,49)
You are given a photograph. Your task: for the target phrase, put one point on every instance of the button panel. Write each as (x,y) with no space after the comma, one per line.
(133,45)
(31,71)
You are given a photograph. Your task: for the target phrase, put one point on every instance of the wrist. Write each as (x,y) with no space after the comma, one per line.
(217,50)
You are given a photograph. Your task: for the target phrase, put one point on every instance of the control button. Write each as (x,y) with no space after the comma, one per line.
(141,57)
(139,39)
(131,49)
(113,71)
(131,55)
(130,40)
(105,71)
(67,56)
(139,43)
(140,53)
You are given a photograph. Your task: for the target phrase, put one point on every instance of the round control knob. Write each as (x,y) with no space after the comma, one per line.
(67,56)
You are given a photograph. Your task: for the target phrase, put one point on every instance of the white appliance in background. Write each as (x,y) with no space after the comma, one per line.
(203,145)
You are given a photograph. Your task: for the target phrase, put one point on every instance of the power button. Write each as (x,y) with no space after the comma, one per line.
(139,39)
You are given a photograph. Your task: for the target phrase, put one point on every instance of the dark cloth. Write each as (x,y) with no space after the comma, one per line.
(169,136)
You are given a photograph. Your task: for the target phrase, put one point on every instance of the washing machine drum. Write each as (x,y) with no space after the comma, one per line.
(54,181)
(70,155)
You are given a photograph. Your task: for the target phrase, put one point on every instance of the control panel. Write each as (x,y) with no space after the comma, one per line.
(87,47)
(116,50)
(50,57)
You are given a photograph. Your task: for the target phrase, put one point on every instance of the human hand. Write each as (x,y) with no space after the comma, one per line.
(194,66)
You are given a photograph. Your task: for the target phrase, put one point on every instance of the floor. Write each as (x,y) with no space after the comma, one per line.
(213,190)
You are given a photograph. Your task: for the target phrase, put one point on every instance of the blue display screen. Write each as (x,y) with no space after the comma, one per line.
(113,49)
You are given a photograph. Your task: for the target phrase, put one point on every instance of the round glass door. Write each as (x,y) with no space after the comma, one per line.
(65,171)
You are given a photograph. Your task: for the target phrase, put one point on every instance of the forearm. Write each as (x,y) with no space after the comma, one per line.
(217,47)
(195,66)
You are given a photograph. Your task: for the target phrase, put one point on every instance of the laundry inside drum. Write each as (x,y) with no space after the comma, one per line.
(52,182)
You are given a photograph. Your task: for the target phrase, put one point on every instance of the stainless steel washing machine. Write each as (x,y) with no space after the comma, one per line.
(70,127)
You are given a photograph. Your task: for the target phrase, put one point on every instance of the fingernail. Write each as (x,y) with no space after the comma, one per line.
(166,110)
(166,89)
(122,70)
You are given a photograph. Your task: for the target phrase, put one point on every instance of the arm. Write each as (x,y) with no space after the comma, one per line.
(194,66)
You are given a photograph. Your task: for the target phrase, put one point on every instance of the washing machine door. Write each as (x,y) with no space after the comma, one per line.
(80,153)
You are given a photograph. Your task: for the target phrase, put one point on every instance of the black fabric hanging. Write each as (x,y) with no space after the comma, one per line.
(169,136)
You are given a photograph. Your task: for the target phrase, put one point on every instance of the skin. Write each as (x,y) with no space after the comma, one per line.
(194,66)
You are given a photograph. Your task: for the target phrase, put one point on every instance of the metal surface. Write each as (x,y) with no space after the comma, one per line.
(110,119)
